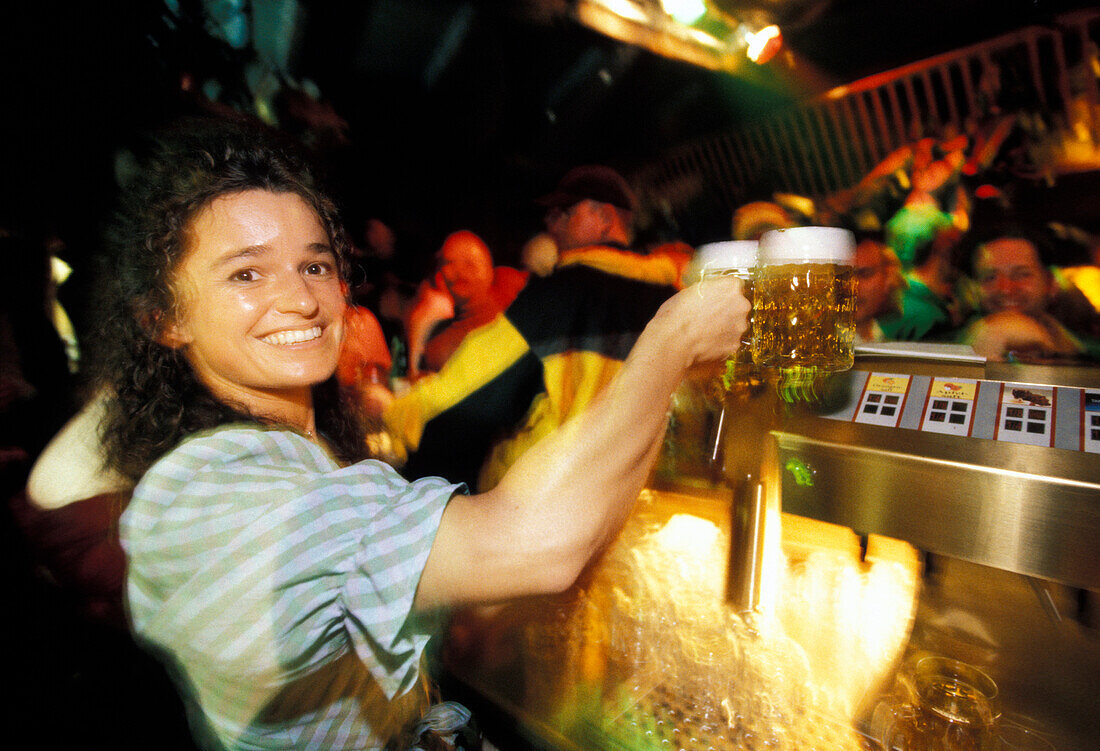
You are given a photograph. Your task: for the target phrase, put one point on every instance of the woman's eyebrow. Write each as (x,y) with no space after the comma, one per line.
(233,256)
(253,251)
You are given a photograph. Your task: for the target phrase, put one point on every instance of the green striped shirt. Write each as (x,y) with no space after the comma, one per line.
(278,585)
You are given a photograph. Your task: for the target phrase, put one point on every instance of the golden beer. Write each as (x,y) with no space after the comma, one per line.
(803,314)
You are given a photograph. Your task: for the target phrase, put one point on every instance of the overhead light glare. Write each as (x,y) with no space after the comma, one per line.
(685,11)
(625,9)
(763,45)
(705,39)
(708,43)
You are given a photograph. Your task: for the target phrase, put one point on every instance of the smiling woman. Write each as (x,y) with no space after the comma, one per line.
(291,589)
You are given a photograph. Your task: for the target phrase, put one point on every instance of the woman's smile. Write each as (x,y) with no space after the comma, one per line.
(283,338)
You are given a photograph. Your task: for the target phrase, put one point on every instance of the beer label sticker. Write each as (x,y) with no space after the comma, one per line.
(883,399)
(887,383)
(953,388)
(1090,417)
(1026,414)
(950,406)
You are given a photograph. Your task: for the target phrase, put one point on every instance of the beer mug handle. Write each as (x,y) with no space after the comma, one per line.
(894,713)
(889,725)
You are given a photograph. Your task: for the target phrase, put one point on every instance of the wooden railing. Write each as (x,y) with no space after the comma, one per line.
(831,142)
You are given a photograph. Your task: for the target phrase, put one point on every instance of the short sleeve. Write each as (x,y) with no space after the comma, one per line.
(256,561)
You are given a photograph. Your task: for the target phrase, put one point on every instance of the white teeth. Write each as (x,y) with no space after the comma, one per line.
(293,337)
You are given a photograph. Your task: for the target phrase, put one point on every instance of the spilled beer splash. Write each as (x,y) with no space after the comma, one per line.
(651,656)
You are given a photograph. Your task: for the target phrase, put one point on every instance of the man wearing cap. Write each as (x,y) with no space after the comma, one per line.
(560,342)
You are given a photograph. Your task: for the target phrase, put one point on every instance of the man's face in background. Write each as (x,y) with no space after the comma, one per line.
(1011,277)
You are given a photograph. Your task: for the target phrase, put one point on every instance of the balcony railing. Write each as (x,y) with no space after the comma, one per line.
(829,143)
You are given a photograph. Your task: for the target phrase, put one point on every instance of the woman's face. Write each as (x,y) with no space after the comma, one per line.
(260,303)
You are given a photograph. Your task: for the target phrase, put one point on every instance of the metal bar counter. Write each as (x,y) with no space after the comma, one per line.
(927,508)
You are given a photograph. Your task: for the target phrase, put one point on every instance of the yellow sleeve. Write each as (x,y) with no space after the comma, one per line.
(483,355)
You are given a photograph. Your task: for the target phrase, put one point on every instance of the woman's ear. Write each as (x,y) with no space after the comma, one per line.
(173,336)
(163,331)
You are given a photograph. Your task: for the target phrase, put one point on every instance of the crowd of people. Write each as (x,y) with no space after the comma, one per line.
(940,261)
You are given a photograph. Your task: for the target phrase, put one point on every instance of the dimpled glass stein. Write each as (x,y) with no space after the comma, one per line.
(803,314)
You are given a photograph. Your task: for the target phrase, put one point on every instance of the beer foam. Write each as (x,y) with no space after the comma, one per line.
(808,245)
(731,254)
(721,257)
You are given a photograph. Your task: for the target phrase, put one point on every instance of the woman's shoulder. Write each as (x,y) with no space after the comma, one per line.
(236,453)
(235,442)
(266,459)
(217,484)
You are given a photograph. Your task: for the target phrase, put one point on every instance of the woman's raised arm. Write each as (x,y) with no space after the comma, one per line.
(564,500)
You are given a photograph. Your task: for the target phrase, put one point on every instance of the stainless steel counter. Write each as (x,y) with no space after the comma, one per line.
(1007,523)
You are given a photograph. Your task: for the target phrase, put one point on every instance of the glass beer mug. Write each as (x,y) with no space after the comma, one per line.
(698,406)
(803,312)
(943,705)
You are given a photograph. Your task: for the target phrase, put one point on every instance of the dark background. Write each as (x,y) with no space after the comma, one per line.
(459,113)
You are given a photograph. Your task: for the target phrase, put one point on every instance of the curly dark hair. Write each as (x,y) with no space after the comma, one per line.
(155,399)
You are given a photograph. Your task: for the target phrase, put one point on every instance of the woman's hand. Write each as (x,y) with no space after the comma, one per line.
(703,322)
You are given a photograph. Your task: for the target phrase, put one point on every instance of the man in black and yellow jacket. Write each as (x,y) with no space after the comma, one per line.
(563,338)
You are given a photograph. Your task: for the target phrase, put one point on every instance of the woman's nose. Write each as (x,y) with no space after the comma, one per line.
(296,296)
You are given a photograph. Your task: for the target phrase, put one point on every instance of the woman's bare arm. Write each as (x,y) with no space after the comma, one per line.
(564,499)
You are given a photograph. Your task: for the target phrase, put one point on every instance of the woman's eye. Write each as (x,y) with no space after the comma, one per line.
(318,269)
(244,275)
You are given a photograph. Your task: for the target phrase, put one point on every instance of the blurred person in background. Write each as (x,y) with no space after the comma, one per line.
(365,362)
(69,515)
(466,292)
(386,271)
(1019,307)
(555,348)
(879,284)
(753,219)
(371,256)
(936,299)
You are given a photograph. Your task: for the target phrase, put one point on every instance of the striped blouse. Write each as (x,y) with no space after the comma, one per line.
(278,586)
